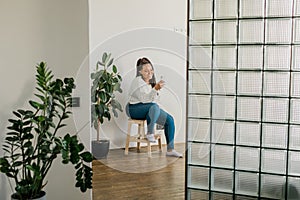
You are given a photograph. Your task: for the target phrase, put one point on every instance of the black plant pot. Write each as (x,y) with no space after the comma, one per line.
(42,196)
(100,149)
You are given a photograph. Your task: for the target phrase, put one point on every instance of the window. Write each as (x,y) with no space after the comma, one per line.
(243,117)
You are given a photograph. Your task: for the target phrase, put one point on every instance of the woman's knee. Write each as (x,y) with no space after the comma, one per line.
(154,108)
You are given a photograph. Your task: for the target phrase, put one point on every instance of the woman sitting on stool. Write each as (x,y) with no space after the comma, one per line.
(142,94)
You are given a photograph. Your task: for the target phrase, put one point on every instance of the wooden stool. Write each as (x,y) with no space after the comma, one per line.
(140,137)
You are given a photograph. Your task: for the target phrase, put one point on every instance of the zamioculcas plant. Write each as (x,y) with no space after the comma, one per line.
(32,142)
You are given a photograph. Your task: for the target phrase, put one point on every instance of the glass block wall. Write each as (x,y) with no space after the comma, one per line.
(243,120)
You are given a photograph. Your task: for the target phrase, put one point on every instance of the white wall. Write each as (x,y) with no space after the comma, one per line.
(33,31)
(135,28)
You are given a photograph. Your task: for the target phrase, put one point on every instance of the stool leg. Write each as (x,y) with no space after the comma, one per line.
(139,135)
(138,146)
(142,131)
(159,144)
(128,139)
(149,149)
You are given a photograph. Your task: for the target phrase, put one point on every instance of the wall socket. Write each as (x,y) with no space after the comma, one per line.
(75,101)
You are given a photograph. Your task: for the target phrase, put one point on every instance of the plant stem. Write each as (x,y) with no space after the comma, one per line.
(98,131)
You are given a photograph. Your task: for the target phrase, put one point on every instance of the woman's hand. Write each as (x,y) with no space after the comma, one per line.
(159,85)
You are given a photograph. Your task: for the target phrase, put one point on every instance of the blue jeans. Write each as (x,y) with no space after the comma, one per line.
(154,115)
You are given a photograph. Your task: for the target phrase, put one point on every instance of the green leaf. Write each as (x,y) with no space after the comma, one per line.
(25,123)
(17,164)
(27,144)
(79,172)
(102,96)
(36,105)
(107,115)
(40,97)
(87,156)
(10,175)
(114,68)
(5,169)
(107,58)
(78,184)
(30,167)
(95,124)
(65,156)
(77,166)
(28,136)
(83,188)
(12,133)
(13,121)
(101,120)
(28,114)
(29,150)
(80,147)
(120,77)
(17,114)
(4,161)
(67,138)
(117,87)
(12,139)
(115,104)
(110,62)
(22,112)
(104,57)
(115,112)
(100,109)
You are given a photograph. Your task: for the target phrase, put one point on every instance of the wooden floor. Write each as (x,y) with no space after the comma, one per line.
(136,176)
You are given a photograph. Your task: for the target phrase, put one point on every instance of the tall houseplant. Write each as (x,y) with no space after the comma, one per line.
(32,142)
(106,81)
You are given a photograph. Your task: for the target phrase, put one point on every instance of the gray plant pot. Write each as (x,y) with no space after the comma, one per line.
(100,149)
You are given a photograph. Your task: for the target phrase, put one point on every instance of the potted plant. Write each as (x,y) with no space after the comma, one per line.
(32,142)
(106,80)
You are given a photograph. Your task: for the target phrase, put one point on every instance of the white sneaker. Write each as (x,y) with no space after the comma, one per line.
(174,153)
(151,138)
